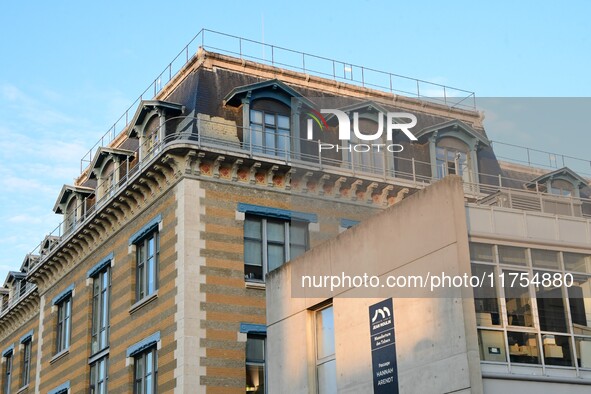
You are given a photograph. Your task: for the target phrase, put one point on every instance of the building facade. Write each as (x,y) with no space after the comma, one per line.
(155,282)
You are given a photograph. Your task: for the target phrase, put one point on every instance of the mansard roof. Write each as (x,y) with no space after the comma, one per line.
(454,125)
(278,89)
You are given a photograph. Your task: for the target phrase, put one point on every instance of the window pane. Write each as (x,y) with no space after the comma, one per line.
(577,262)
(297,233)
(276,231)
(481,252)
(255,349)
(485,297)
(275,256)
(270,119)
(253,252)
(256,117)
(523,347)
(492,345)
(583,352)
(512,255)
(579,297)
(255,379)
(327,378)
(252,228)
(519,311)
(557,350)
(324,332)
(545,259)
(270,141)
(283,121)
(551,310)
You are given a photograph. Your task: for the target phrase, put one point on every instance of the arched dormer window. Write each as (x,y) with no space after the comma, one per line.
(453,149)
(270,117)
(368,156)
(109,167)
(149,125)
(71,204)
(562,182)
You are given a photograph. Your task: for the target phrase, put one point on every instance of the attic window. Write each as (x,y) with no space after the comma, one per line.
(561,187)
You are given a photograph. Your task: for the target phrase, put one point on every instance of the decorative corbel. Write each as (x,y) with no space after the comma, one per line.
(369,192)
(270,173)
(304,181)
(252,173)
(321,183)
(216,166)
(288,176)
(353,190)
(235,167)
(384,194)
(337,186)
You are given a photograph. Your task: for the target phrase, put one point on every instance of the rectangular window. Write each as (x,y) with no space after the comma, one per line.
(326,373)
(26,371)
(99,373)
(270,133)
(7,372)
(148,249)
(64,323)
(268,243)
(255,364)
(101,296)
(146,372)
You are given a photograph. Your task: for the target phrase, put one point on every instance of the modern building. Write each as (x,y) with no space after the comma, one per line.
(155,282)
(446,337)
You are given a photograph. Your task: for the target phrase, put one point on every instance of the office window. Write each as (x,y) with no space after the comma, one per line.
(146,372)
(101,296)
(148,249)
(99,374)
(270,132)
(7,372)
(255,364)
(485,297)
(64,323)
(268,243)
(26,370)
(326,373)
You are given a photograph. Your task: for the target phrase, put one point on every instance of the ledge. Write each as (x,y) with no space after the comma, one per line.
(255,285)
(59,356)
(25,387)
(144,301)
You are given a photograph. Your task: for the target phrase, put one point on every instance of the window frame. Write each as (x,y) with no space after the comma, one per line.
(8,369)
(140,383)
(550,338)
(264,242)
(257,363)
(101,310)
(64,324)
(320,361)
(142,287)
(278,133)
(95,377)
(26,362)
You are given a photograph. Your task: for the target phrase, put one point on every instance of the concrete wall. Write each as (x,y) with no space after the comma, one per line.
(501,386)
(436,340)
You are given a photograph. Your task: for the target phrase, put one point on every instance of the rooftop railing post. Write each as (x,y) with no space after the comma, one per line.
(304,62)
(319,155)
(414,173)
(250,140)
(418,90)
(391,90)
(240,46)
(444,96)
(500,181)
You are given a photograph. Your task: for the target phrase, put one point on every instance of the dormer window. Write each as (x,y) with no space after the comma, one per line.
(149,124)
(453,148)
(271,124)
(452,158)
(270,129)
(109,167)
(71,203)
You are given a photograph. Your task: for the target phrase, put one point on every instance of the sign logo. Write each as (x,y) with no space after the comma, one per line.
(383,312)
(345,129)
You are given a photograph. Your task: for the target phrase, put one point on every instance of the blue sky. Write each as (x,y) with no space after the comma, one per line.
(69,69)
